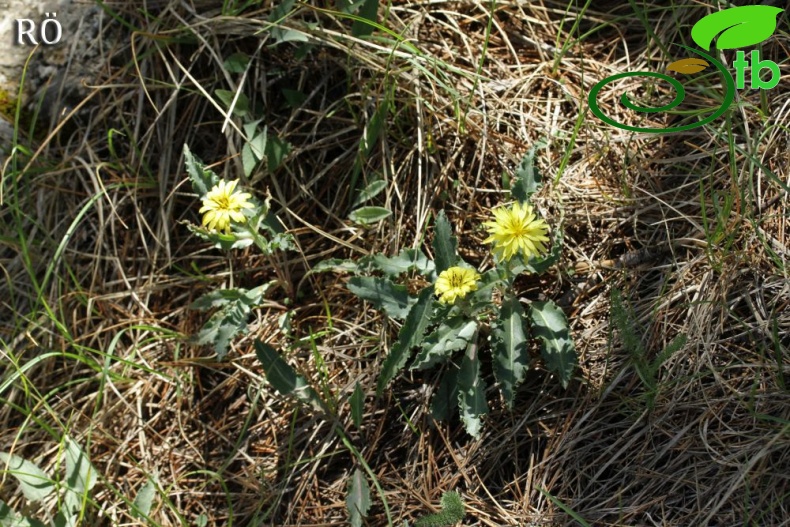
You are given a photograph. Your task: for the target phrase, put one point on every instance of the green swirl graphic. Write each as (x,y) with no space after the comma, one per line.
(729,95)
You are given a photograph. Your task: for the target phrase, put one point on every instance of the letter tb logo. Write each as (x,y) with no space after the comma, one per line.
(736,27)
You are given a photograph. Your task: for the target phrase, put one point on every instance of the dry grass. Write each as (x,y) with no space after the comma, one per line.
(95,311)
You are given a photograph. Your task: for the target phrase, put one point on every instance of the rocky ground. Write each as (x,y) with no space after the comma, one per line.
(55,73)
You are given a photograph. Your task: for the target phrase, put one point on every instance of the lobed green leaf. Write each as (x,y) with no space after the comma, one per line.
(358,498)
(202,179)
(410,336)
(471,392)
(511,356)
(551,327)
(439,345)
(383,294)
(527,178)
(445,244)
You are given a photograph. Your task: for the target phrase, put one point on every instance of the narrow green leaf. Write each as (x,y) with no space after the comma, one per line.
(370,192)
(551,327)
(453,335)
(471,392)
(527,179)
(202,179)
(410,336)
(144,500)
(358,498)
(445,244)
(383,294)
(357,405)
(34,482)
(284,378)
(511,356)
(367,215)
(737,27)
(445,400)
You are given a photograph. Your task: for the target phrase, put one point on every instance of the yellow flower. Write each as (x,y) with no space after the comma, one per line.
(222,204)
(454,283)
(517,228)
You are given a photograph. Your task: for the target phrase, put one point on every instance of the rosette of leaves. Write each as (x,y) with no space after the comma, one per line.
(451,334)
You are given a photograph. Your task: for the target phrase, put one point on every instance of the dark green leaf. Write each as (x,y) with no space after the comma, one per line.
(294,98)
(369,214)
(276,151)
(445,244)
(236,63)
(202,180)
(455,334)
(551,327)
(368,11)
(357,405)
(445,400)
(284,378)
(410,336)
(471,392)
(511,356)
(383,294)
(358,499)
(349,6)
(737,27)
(242,105)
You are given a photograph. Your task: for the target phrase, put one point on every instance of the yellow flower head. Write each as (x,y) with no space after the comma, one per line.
(517,228)
(222,204)
(454,283)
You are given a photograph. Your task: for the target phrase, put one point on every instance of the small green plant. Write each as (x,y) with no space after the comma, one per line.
(451,513)
(36,485)
(231,220)
(627,327)
(466,315)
